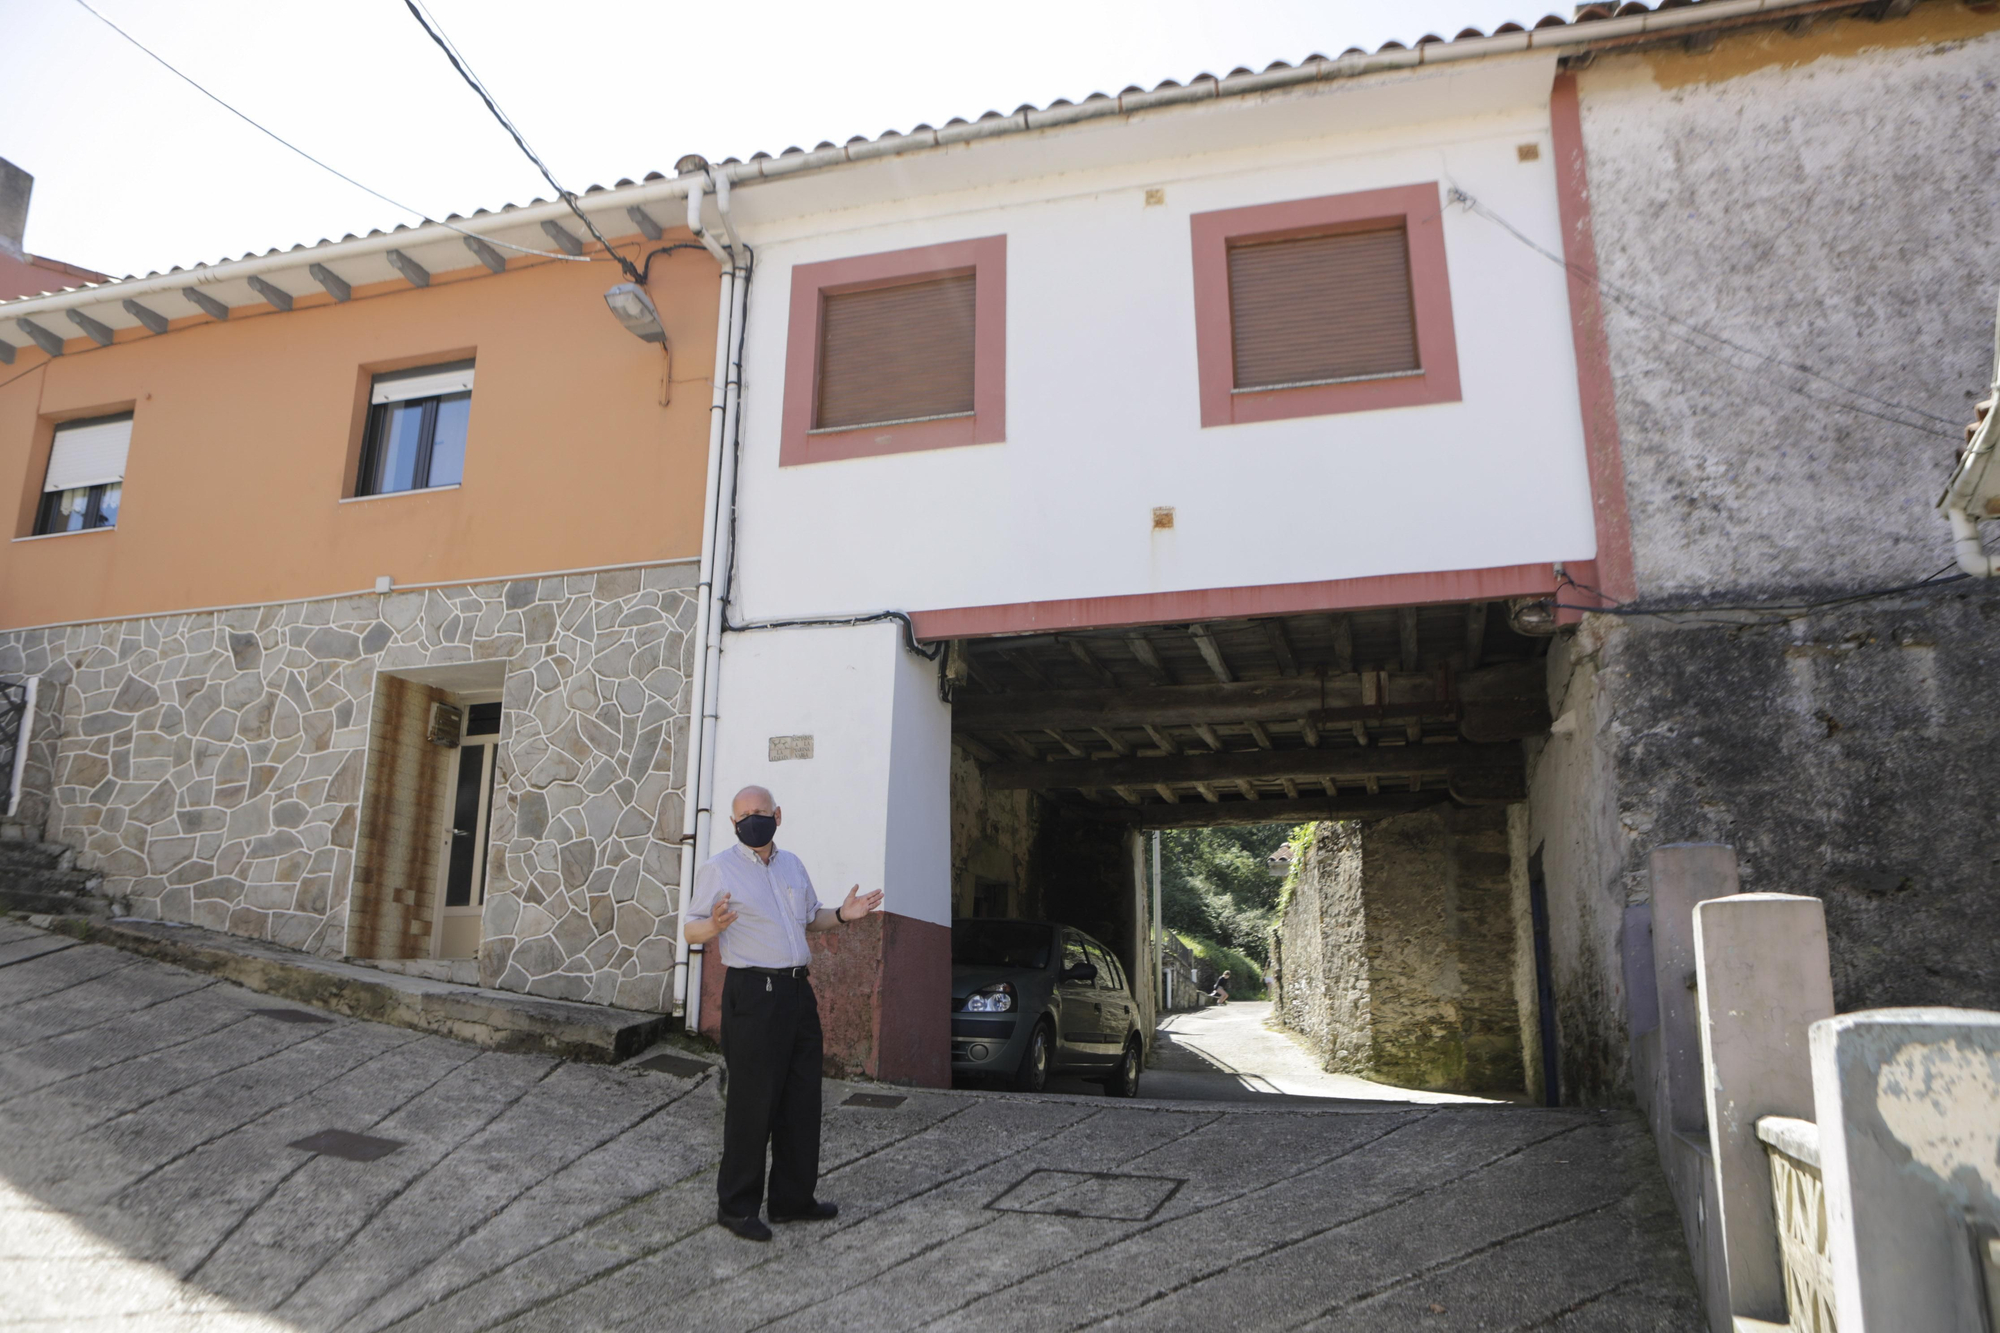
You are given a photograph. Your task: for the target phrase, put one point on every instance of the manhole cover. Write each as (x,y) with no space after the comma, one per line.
(1099,1194)
(294,1015)
(677,1065)
(875,1101)
(347,1144)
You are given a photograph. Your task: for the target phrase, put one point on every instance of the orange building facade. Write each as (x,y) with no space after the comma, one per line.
(356,586)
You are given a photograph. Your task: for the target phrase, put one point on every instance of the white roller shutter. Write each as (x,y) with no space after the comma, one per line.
(431,383)
(89,453)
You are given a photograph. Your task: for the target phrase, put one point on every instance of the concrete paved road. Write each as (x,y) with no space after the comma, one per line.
(147,1182)
(1232,1052)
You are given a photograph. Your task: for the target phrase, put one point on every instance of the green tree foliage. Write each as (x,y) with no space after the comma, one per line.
(1246,974)
(1215,885)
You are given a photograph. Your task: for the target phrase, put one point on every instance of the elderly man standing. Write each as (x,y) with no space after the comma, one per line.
(759,902)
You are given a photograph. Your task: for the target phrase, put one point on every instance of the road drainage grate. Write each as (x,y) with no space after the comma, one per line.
(294,1015)
(346,1144)
(875,1101)
(677,1065)
(1103,1195)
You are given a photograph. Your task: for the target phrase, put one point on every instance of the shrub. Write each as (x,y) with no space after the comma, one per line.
(1246,975)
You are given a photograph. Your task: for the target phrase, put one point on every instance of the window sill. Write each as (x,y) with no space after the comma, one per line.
(80,532)
(397,495)
(1343,379)
(883,425)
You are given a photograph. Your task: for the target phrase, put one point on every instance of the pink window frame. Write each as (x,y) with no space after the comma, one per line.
(1417,207)
(986,259)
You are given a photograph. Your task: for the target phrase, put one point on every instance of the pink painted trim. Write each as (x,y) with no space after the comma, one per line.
(1595,394)
(1418,209)
(1276,599)
(986,259)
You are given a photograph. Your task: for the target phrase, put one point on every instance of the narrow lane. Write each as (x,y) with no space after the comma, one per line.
(1234,1052)
(151,1176)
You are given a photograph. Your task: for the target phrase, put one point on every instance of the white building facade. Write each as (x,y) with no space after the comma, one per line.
(1109,473)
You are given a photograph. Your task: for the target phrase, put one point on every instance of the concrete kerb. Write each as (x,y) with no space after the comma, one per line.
(495,1020)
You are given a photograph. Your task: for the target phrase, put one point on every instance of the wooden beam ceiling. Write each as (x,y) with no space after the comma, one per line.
(1238,813)
(1375,761)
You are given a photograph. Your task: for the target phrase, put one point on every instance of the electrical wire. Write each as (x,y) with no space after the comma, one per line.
(464,68)
(323,166)
(646,264)
(1618,608)
(1692,334)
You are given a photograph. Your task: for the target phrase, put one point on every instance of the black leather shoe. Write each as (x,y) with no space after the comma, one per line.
(750,1228)
(817,1212)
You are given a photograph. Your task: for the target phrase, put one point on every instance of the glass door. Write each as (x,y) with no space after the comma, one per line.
(463,887)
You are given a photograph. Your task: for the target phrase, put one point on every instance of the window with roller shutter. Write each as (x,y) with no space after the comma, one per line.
(895,352)
(893,355)
(1321,309)
(1320,306)
(85,481)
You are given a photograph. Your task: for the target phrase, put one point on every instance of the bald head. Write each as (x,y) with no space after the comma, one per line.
(753,801)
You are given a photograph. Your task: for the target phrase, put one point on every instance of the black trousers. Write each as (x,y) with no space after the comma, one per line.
(771,1043)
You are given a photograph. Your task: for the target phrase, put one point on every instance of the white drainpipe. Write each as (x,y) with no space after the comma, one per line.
(1971,552)
(724,405)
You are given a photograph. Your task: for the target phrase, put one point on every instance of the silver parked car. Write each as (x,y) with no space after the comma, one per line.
(1032,998)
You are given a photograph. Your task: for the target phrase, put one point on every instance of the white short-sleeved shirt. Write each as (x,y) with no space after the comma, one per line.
(774,903)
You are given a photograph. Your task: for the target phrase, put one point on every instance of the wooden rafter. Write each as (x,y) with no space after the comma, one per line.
(1375,762)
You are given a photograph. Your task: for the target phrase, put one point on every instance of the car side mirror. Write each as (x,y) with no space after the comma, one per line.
(1080,972)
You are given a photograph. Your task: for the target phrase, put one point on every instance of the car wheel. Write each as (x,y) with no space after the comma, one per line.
(1033,1072)
(1125,1083)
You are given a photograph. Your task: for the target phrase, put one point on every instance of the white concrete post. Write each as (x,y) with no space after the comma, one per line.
(1761,961)
(1683,874)
(1909,1127)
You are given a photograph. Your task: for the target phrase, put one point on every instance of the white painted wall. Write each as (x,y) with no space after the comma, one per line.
(1103,418)
(872,806)
(1103,424)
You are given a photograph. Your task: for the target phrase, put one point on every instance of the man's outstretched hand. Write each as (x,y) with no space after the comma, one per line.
(858,904)
(722,914)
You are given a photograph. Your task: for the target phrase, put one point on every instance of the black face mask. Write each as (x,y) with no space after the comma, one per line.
(756,830)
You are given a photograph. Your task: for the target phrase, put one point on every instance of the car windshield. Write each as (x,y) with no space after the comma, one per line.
(1001,943)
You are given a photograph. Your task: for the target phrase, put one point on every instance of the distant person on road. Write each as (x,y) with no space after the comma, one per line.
(1221,992)
(759,902)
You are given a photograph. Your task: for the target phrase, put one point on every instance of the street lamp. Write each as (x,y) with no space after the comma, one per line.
(634,309)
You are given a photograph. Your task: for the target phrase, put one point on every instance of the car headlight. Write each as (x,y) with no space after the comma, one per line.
(995,999)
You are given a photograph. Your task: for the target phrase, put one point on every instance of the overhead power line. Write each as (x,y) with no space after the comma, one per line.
(459,63)
(1710,343)
(323,166)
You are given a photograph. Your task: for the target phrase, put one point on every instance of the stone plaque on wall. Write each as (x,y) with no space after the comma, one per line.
(791,747)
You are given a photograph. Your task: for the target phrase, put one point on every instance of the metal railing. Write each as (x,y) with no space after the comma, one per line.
(1799,1193)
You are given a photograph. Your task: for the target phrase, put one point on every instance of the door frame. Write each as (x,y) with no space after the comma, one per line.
(481,832)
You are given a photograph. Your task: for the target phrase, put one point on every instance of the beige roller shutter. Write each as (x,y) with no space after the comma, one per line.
(88,453)
(902,353)
(1321,308)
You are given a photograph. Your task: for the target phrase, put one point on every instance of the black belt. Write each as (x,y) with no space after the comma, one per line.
(794,972)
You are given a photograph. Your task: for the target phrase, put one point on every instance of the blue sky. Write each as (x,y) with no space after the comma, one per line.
(136,171)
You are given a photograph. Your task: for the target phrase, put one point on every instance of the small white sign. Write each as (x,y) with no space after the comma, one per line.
(791,747)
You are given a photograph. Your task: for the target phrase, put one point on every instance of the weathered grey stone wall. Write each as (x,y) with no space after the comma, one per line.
(1855,762)
(1593,863)
(211,765)
(1824,197)
(992,837)
(1398,950)
(1323,949)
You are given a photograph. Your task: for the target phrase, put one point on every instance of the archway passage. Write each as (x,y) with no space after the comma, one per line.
(1070,746)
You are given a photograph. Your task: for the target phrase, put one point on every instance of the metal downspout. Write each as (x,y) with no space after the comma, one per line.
(725,407)
(1159,931)
(691,795)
